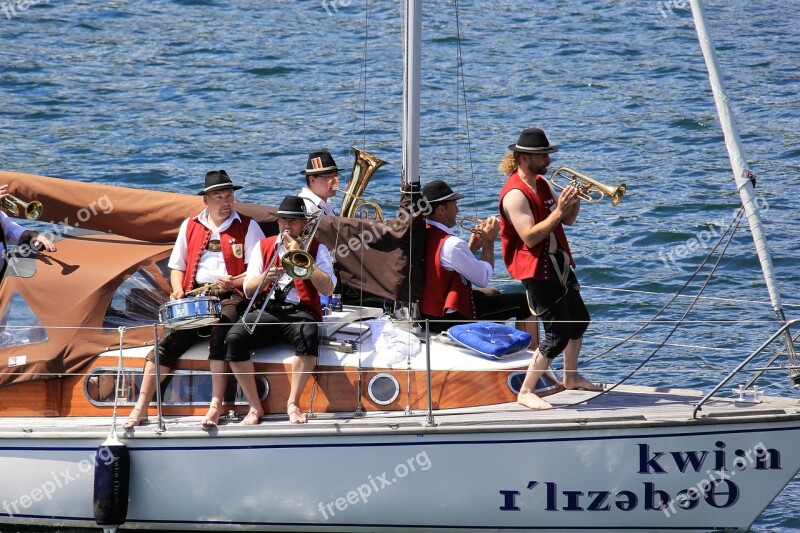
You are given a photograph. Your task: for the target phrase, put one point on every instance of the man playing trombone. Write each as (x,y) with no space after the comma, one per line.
(536,251)
(292,309)
(451,270)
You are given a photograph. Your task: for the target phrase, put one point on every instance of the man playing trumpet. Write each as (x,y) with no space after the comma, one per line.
(536,252)
(451,269)
(13,233)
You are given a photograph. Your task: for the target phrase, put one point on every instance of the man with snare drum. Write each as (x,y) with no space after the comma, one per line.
(213,246)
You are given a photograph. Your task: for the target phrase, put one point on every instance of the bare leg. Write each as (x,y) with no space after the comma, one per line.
(302,366)
(146,391)
(531,326)
(219,381)
(526,396)
(245,375)
(572,379)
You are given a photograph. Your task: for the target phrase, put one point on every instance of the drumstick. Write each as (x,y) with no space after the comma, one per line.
(211,286)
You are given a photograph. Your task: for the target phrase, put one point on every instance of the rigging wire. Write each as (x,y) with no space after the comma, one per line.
(461,77)
(732,227)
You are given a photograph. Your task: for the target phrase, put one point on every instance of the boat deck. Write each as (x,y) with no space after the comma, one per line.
(627,405)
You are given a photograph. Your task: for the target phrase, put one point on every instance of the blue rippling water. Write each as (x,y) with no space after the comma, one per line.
(153,94)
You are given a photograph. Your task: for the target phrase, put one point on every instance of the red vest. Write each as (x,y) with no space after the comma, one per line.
(444,289)
(197,237)
(309,295)
(522,261)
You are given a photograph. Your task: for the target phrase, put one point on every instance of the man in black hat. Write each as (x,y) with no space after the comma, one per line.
(322,182)
(213,246)
(536,252)
(294,309)
(451,269)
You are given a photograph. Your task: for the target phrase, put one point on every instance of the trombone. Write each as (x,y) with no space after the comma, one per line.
(298,264)
(591,191)
(14,206)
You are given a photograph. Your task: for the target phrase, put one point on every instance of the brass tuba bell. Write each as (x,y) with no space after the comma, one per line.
(592,191)
(364,166)
(14,206)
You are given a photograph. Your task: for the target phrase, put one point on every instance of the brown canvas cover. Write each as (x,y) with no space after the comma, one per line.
(74,285)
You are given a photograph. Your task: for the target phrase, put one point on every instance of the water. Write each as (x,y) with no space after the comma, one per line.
(155,94)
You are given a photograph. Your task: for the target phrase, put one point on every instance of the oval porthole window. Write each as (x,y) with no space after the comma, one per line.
(383,389)
(547,382)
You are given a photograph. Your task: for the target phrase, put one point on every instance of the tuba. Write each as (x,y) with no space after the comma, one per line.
(364,166)
(591,191)
(14,206)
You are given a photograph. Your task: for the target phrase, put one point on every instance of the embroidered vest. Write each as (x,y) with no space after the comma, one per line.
(309,295)
(444,289)
(522,261)
(197,237)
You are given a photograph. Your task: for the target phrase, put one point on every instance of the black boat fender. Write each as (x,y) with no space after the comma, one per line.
(112,465)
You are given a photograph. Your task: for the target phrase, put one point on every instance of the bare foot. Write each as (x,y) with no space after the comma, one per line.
(135,418)
(296,416)
(212,418)
(578,382)
(531,401)
(252,417)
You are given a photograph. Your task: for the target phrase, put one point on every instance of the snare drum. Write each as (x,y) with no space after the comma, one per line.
(191,312)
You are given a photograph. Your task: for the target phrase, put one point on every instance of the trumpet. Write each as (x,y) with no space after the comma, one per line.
(471,224)
(591,191)
(14,206)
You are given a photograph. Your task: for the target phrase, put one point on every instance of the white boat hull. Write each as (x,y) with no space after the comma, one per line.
(523,477)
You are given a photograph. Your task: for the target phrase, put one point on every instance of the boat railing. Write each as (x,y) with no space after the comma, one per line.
(743,364)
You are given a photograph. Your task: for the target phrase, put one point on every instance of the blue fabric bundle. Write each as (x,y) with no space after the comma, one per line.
(489,339)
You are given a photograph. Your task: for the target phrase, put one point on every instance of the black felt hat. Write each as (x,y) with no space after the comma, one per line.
(292,207)
(437,192)
(533,141)
(217,180)
(320,163)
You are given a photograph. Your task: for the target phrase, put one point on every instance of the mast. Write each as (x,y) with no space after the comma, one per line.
(741,172)
(411,91)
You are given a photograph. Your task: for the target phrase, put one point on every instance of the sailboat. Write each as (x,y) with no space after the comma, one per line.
(400,441)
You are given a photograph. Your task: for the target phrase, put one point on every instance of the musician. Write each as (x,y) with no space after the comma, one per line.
(213,246)
(451,270)
(536,251)
(294,308)
(13,233)
(322,182)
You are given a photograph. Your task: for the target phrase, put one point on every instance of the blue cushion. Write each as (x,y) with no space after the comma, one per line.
(489,339)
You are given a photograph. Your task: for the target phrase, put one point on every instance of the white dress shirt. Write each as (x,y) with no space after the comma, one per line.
(314,203)
(456,255)
(212,264)
(256,268)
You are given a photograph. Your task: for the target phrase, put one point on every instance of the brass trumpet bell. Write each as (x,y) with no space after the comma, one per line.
(590,190)
(14,206)
(298,264)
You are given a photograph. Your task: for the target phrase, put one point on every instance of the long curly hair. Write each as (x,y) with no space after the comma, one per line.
(508,164)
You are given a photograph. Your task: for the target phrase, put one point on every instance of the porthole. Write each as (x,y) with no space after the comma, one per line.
(383,389)
(547,382)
